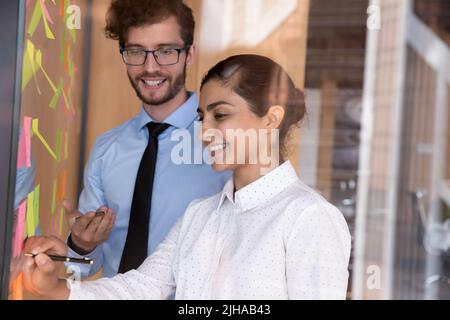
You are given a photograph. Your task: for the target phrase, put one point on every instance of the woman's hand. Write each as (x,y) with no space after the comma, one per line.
(41,274)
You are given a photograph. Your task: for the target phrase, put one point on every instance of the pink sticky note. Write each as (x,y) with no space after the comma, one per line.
(24,156)
(47,15)
(18,235)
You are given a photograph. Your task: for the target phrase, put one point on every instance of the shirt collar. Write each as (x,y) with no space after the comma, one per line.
(180,119)
(260,190)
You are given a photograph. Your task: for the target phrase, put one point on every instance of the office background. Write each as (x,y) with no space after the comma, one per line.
(375,143)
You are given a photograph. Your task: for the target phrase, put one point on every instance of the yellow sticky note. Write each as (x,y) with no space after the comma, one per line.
(35,127)
(37,16)
(48,31)
(30,215)
(39,64)
(66,100)
(32,59)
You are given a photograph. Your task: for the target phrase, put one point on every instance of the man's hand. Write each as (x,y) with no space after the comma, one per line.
(40,273)
(89,230)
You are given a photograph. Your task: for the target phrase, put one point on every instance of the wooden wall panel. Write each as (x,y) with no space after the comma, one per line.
(112,99)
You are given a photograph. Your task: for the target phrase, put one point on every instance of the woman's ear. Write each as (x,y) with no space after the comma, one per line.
(274,117)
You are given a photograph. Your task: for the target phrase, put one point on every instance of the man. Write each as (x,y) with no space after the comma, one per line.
(156,41)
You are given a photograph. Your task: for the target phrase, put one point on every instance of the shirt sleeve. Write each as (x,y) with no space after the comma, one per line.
(92,197)
(317,254)
(153,280)
(85,270)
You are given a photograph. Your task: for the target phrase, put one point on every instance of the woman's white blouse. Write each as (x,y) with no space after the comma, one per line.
(275,239)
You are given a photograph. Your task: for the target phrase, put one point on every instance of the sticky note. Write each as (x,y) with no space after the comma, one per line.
(61,219)
(37,16)
(30,215)
(50,82)
(19,231)
(35,127)
(17,288)
(36,206)
(30,65)
(62,9)
(64,183)
(54,196)
(66,100)
(66,57)
(66,146)
(59,145)
(46,13)
(73,34)
(61,191)
(56,95)
(24,152)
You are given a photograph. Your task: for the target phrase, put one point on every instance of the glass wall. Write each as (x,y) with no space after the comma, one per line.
(377,145)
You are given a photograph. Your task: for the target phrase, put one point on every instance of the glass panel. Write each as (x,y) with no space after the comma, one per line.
(436,14)
(50,115)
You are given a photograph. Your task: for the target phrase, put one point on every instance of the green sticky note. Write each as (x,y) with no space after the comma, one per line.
(36,205)
(35,18)
(66,4)
(54,197)
(71,66)
(73,34)
(56,95)
(59,145)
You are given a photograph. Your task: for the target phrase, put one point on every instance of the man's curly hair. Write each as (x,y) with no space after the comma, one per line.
(124,14)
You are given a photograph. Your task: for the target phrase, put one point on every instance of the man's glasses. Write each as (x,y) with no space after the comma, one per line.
(164,57)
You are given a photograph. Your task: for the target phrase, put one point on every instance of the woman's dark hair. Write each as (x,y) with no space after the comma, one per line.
(262,83)
(124,14)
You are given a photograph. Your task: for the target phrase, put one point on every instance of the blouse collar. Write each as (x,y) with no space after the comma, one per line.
(260,190)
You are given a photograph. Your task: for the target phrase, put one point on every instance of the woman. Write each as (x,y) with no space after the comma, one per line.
(266,236)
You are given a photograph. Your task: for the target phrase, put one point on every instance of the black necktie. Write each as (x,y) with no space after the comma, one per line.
(135,250)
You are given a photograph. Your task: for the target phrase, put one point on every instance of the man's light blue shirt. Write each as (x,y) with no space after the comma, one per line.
(110,177)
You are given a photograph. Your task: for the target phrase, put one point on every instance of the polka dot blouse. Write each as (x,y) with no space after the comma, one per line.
(276,238)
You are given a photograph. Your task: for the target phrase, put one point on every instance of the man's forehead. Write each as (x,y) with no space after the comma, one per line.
(165,31)
(167,25)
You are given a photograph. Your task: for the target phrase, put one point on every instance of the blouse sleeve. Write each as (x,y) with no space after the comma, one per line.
(317,254)
(153,280)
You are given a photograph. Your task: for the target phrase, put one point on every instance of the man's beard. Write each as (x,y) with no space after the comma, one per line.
(174,88)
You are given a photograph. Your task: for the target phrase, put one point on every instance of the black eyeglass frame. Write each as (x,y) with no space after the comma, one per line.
(147,52)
